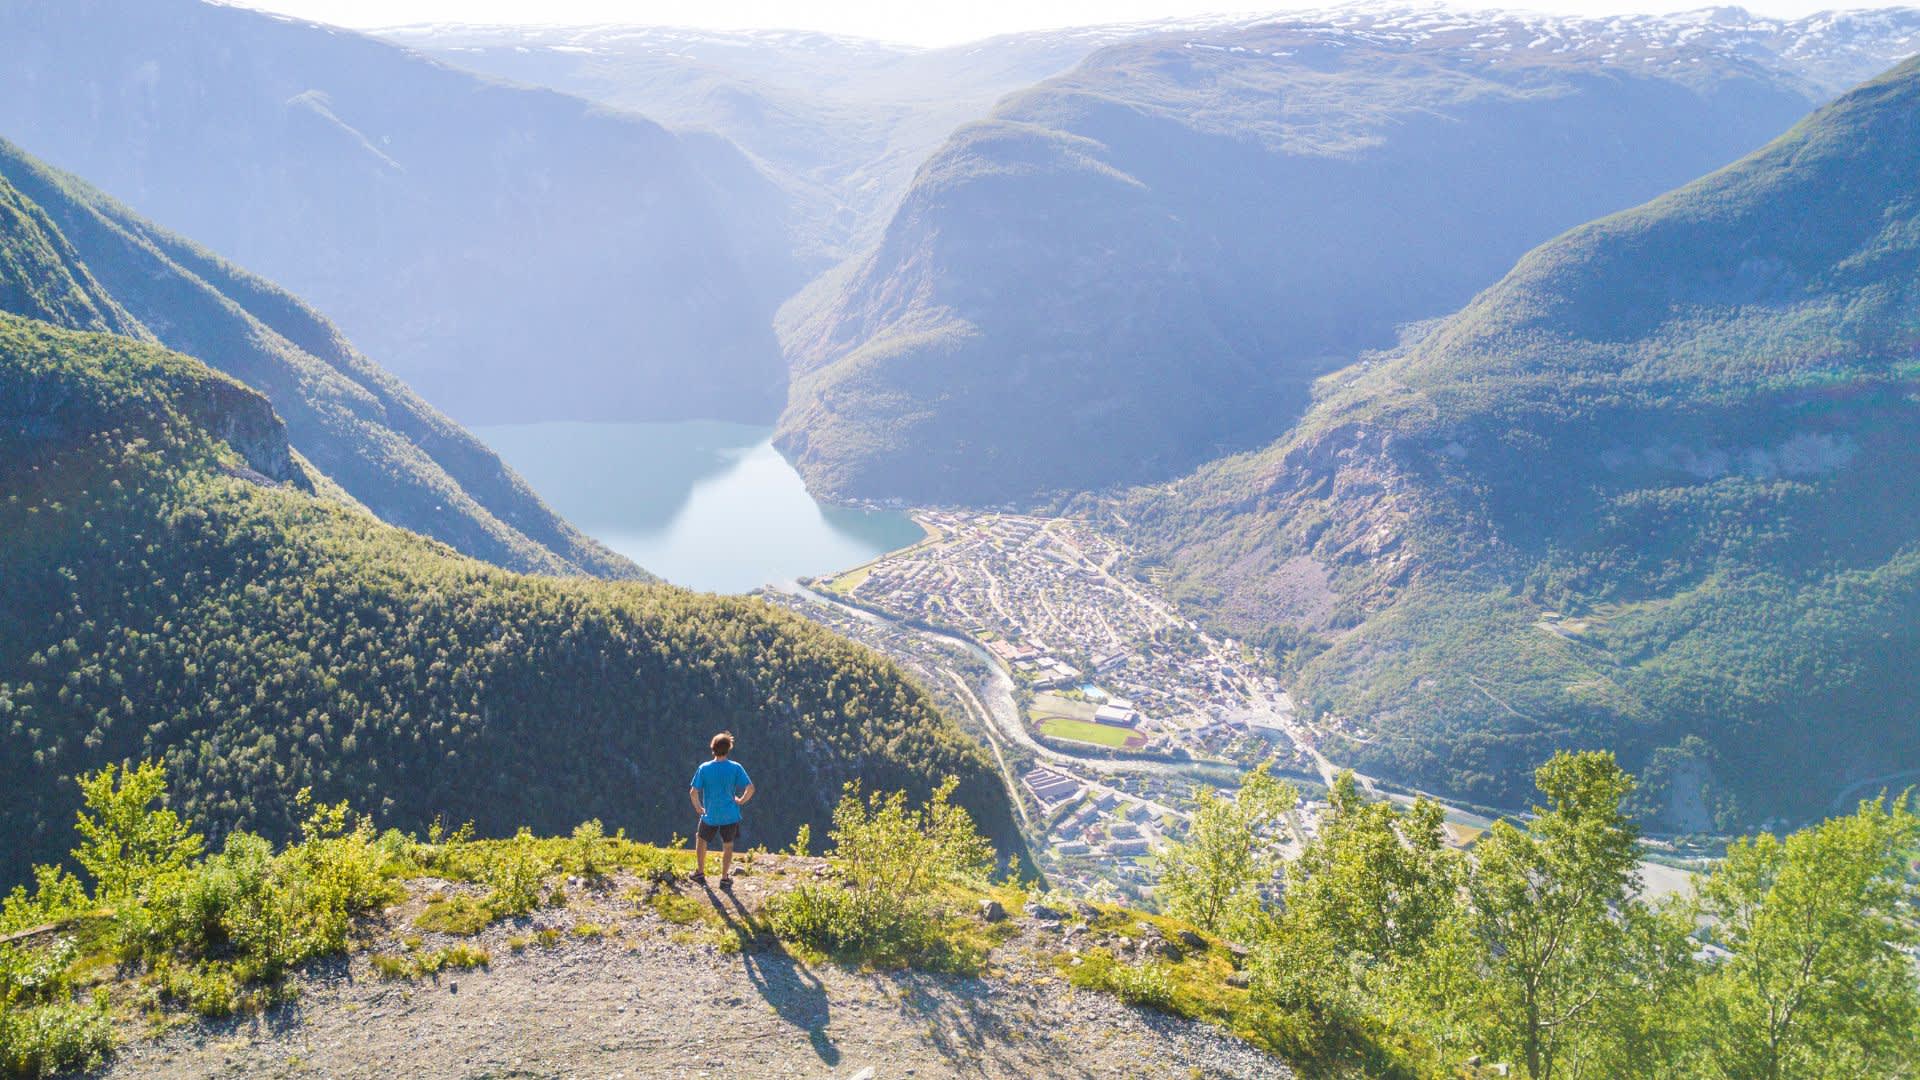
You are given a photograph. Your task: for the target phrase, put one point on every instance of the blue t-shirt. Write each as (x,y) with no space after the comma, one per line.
(718,782)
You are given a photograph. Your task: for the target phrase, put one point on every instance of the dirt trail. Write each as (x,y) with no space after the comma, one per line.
(652,997)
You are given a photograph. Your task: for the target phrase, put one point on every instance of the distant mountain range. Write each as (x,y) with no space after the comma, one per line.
(839,123)
(1143,263)
(71,256)
(512,253)
(1652,491)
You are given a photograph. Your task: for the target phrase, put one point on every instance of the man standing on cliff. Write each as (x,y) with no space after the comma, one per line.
(719,789)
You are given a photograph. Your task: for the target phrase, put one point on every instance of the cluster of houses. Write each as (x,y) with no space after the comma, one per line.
(1037,662)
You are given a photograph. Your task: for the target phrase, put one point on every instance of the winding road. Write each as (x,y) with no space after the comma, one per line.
(1001,711)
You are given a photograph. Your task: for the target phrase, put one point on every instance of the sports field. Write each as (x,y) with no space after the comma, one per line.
(1060,727)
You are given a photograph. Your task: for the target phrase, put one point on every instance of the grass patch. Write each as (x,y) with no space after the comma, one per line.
(1194,987)
(459,915)
(675,908)
(395,967)
(851,580)
(1051,705)
(1060,727)
(1136,984)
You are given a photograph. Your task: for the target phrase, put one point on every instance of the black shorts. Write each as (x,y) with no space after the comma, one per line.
(727,833)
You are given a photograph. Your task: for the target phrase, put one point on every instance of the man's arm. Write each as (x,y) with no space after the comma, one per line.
(693,794)
(745,795)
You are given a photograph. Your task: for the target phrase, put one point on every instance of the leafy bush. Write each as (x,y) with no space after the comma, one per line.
(124,842)
(593,850)
(54,1038)
(861,925)
(416,964)
(653,864)
(43,1030)
(516,872)
(892,859)
(881,845)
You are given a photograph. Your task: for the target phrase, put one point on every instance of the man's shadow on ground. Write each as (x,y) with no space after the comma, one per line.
(795,992)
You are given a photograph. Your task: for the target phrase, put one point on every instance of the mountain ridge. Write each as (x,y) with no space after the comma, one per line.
(1714,394)
(451,225)
(365,430)
(1142,264)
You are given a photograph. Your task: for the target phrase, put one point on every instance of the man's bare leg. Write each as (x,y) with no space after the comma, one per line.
(700,855)
(726,859)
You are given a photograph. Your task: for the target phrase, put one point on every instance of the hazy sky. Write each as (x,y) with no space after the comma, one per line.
(920,22)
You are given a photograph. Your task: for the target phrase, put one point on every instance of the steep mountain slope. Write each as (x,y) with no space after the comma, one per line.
(75,258)
(1652,491)
(167,590)
(513,254)
(1143,263)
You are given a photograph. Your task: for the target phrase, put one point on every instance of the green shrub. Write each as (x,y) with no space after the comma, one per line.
(463,958)
(207,989)
(43,1030)
(337,871)
(125,842)
(592,852)
(892,860)
(43,1040)
(675,908)
(881,845)
(515,872)
(653,864)
(866,926)
(56,895)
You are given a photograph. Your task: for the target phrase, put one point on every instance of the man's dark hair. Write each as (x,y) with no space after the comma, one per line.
(722,744)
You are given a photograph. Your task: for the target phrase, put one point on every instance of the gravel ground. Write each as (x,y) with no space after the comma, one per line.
(652,998)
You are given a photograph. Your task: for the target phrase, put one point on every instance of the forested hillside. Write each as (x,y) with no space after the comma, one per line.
(74,257)
(1653,491)
(1142,264)
(511,253)
(168,590)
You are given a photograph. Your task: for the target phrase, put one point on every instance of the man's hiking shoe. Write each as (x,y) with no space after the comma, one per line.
(698,878)
(726,883)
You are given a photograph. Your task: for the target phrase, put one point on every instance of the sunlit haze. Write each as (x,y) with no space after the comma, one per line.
(918,24)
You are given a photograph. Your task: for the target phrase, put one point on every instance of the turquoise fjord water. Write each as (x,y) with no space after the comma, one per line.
(709,505)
